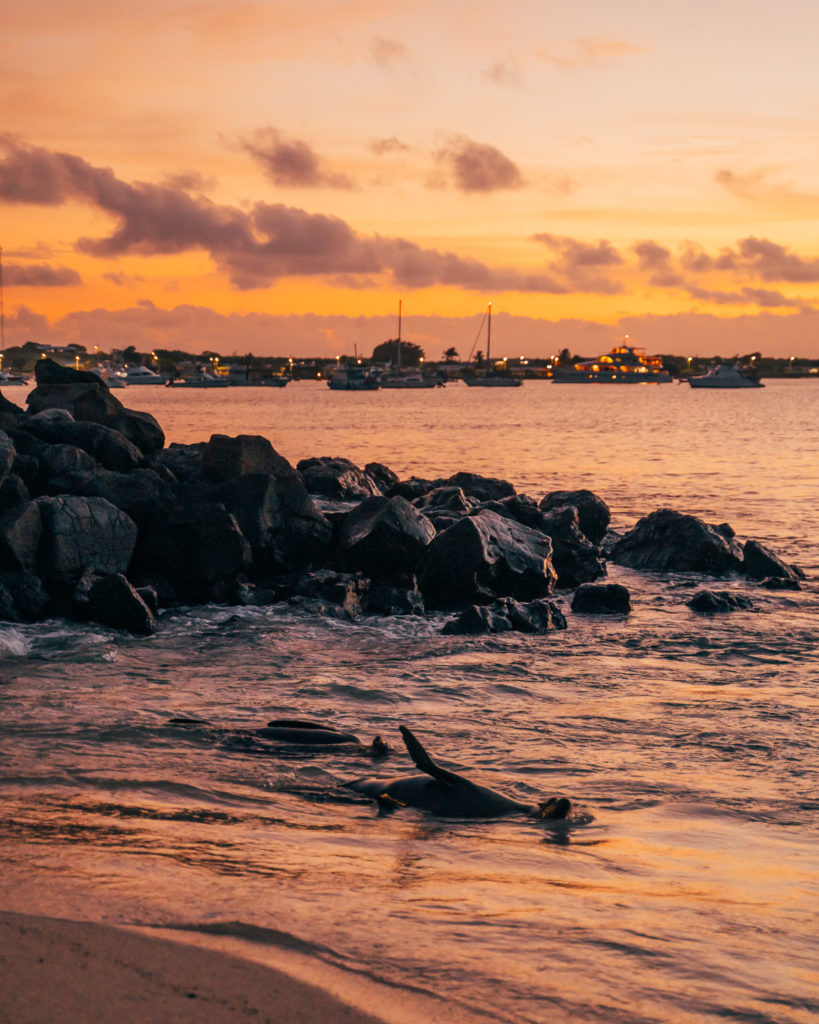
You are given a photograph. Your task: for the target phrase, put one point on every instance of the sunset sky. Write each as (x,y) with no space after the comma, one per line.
(274,177)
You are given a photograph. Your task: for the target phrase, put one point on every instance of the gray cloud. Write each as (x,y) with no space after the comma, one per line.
(291,163)
(579,261)
(40,275)
(253,248)
(479,167)
(391,145)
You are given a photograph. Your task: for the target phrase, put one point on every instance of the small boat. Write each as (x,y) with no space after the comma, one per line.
(727,376)
(142,375)
(353,378)
(199,380)
(491,378)
(405,378)
(275,382)
(625,364)
(10,380)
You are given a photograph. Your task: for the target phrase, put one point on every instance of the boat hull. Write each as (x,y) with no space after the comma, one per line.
(493,382)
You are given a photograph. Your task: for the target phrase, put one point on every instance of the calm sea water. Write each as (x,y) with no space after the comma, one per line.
(684,889)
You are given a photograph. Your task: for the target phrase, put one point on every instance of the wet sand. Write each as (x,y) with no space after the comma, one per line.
(82,973)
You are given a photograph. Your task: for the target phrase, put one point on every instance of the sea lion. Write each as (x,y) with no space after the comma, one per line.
(444,793)
(298,731)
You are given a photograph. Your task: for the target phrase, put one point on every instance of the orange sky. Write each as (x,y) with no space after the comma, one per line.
(274,177)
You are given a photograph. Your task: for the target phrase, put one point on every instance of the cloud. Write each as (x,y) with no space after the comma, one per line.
(755,186)
(505,72)
(479,167)
(388,52)
(578,262)
(40,275)
(291,163)
(391,145)
(651,255)
(773,262)
(254,248)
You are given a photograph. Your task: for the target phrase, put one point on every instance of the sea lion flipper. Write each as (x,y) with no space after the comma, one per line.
(424,762)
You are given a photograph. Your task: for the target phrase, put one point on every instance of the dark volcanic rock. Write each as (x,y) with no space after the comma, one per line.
(760,562)
(383,475)
(484,488)
(279,519)
(87,398)
(593,513)
(385,599)
(575,558)
(337,594)
(338,479)
(602,599)
(507,615)
(196,548)
(708,602)
(226,457)
(383,537)
(24,598)
(20,532)
(669,541)
(112,601)
(482,557)
(81,533)
(7,455)
(108,447)
(448,498)
(780,583)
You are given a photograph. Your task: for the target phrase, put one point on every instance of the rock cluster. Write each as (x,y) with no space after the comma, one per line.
(100,521)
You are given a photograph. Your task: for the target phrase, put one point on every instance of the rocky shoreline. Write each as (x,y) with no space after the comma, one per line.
(101,521)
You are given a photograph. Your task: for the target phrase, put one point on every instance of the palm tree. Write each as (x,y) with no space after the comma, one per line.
(451,354)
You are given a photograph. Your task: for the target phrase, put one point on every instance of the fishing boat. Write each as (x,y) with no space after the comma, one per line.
(491,378)
(625,364)
(727,376)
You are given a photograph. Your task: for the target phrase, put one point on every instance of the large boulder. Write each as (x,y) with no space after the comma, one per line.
(193,549)
(482,557)
(669,541)
(576,559)
(593,513)
(110,448)
(601,599)
(338,479)
(760,563)
(507,615)
(20,531)
(383,537)
(81,533)
(483,488)
(87,398)
(225,457)
(280,520)
(112,601)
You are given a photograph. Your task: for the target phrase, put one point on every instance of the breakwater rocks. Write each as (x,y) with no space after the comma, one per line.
(101,521)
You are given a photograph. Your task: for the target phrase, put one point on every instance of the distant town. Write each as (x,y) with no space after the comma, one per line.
(250,368)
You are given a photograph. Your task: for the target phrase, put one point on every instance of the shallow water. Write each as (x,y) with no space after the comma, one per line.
(685,886)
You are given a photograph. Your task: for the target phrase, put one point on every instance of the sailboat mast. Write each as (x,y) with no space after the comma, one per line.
(399,335)
(488,334)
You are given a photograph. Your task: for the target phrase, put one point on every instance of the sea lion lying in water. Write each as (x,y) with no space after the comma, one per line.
(297,731)
(442,792)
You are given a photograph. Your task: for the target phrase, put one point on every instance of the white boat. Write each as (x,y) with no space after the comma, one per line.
(199,380)
(625,364)
(724,375)
(491,378)
(142,375)
(353,378)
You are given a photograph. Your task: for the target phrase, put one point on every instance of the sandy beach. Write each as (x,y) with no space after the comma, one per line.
(83,973)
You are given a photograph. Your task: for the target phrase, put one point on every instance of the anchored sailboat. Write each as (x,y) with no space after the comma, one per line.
(492,379)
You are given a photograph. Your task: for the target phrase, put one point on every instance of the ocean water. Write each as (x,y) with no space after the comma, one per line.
(685,886)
